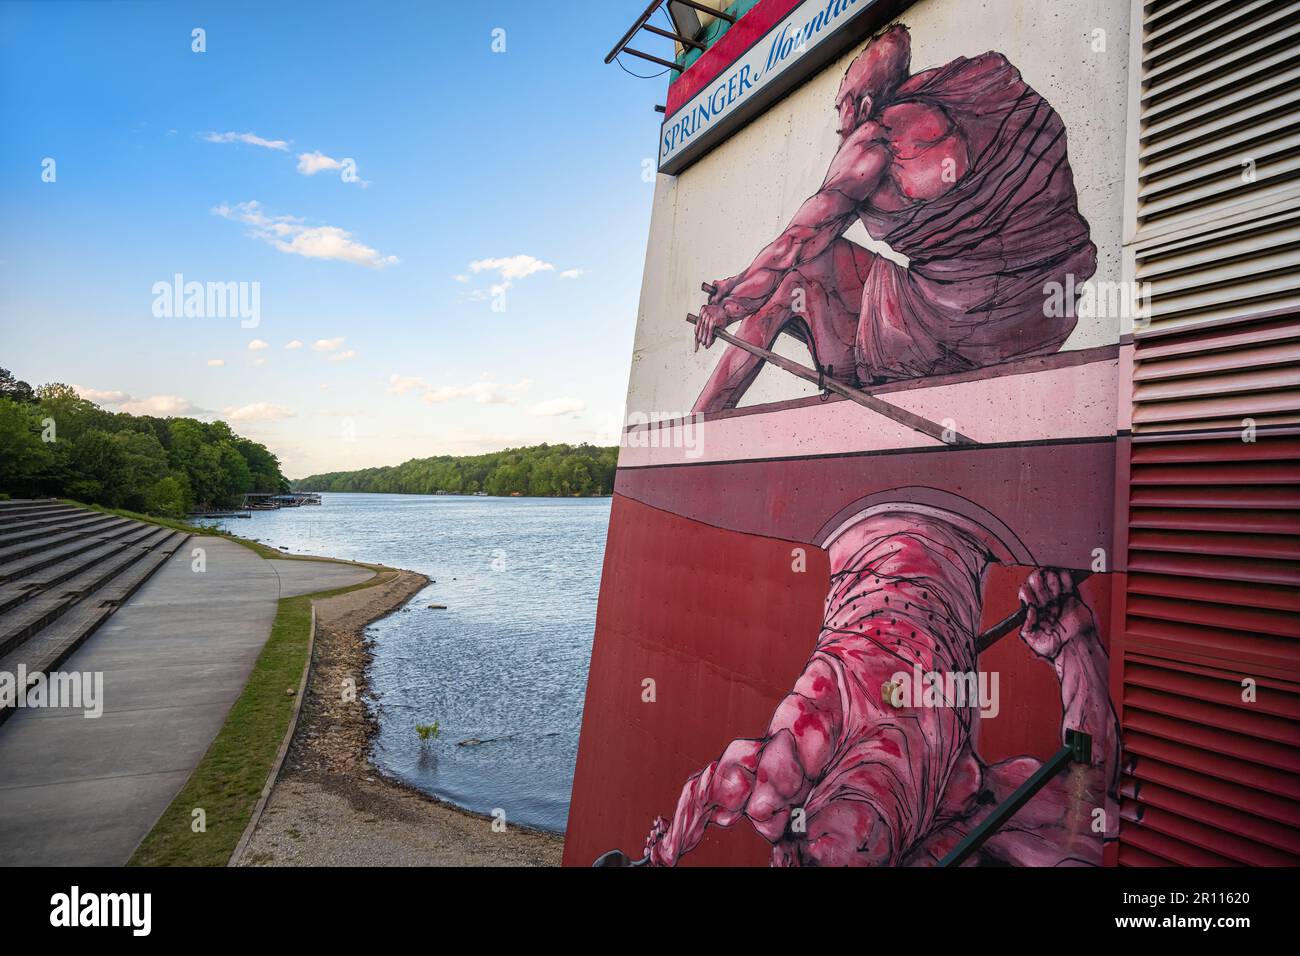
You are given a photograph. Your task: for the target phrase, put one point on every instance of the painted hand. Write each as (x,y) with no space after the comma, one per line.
(1056,612)
(654,844)
(712,318)
(722,288)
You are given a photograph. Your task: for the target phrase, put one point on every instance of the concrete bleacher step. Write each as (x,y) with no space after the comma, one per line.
(17,591)
(55,642)
(20,567)
(36,514)
(75,522)
(16,515)
(15,518)
(18,532)
(15,505)
(21,622)
(121,588)
(54,542)
(16,571)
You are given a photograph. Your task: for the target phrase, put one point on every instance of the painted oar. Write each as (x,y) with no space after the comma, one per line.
(1017,617)
(948,436)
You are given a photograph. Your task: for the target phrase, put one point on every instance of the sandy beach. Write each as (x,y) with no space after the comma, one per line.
(331,807)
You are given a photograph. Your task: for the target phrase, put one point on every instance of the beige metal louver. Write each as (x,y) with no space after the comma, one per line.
(1219,108)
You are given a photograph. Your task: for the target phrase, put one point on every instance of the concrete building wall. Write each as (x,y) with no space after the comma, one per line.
(725,559)
(710,221)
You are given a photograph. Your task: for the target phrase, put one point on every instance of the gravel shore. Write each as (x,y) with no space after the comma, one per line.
(330,807)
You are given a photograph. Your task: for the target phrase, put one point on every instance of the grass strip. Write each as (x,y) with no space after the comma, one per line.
(175,524)
(230,777)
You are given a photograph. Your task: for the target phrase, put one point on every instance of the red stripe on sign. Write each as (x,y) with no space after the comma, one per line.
(742,35)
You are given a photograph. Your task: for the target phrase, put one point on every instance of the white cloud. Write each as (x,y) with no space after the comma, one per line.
(257,345)
(402,384)
(485,393)
(572,273)
(511,267)
(259,360)
(161,406)
(461,278)
(342,356)
(113,397)
(295,344)
(216,363)
(289,234)
(557,406)
(309,164)
(327,345)
(259,412)
(250,138)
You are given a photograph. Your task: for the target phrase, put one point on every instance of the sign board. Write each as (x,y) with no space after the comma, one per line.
(812,35)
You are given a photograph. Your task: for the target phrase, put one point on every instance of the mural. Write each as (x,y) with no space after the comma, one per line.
(962,171)
(846,776)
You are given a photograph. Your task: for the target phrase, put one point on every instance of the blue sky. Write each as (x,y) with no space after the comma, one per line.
(528,163)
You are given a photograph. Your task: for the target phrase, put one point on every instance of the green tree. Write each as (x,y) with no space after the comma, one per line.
(25,460)
(168,496)
(538,470)
(53,441)
(14,389)
(72,414)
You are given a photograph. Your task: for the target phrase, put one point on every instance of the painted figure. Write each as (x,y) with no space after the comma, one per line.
(844,777)
(962,171)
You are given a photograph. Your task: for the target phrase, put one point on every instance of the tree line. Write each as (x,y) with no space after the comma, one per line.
(538,470)
(54,442)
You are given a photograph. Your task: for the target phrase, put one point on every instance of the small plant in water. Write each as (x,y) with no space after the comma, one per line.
(427,731)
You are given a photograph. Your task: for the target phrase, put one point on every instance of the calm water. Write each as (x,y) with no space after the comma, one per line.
(506,663)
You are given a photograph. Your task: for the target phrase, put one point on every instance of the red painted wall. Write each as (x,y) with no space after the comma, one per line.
(721,624)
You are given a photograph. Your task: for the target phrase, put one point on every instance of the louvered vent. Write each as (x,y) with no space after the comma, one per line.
(1222,270)
(1209,779)
(1226,375)
(1220,107)
(1211,774)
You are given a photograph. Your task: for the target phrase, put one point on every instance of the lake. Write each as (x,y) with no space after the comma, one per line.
(505,663)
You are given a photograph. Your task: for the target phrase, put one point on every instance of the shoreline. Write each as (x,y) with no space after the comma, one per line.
(331,806)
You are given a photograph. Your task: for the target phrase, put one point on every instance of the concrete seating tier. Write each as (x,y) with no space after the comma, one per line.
(63,571)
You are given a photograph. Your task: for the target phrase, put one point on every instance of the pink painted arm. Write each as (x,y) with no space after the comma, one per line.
(1060,628)
(854,174)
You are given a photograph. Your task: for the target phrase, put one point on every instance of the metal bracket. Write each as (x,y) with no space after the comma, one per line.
(1077,749)
(1080,745)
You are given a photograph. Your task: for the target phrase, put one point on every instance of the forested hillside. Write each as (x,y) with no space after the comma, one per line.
(540,470)
(53,442)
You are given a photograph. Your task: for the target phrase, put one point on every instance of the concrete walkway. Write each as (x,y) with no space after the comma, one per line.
(85,792)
